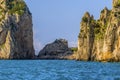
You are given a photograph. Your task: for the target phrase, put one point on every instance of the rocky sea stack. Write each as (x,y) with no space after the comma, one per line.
(56,50)
(16,34)
(99,40)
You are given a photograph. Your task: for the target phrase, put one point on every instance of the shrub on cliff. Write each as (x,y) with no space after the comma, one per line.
(117,4)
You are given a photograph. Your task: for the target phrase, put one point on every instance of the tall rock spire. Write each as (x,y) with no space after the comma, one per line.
(16,33)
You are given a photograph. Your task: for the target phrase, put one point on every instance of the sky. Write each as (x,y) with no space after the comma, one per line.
(55,19)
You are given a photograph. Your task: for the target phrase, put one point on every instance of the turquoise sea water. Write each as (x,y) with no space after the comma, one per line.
(58,70)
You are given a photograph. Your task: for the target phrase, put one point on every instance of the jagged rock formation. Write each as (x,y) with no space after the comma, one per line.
(16,35)
(56,50)
(99,40)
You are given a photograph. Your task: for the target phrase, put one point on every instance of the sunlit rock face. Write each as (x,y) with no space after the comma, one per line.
(16,34)
(99,40)
(116,3)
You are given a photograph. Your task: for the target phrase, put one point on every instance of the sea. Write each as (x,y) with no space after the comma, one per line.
(58,70)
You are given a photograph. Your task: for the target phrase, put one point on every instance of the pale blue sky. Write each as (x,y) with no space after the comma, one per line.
(54,19)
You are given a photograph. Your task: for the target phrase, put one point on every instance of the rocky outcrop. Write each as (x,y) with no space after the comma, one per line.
(99,40)
(16,34)
(56,50)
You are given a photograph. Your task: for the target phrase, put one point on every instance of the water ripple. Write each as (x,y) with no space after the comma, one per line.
(58,70)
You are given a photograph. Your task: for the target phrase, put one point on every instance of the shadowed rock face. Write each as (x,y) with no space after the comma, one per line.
(56,50)
(99,40)
(16,34)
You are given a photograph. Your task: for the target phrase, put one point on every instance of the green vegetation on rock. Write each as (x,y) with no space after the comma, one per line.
(2,45)
(85,19)
(99,30)
(16,7)
(116,4)
(74,49)
(12,7)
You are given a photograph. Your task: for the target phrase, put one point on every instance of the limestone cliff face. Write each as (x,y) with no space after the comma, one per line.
(86,37)
(99,40)
(16,35)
